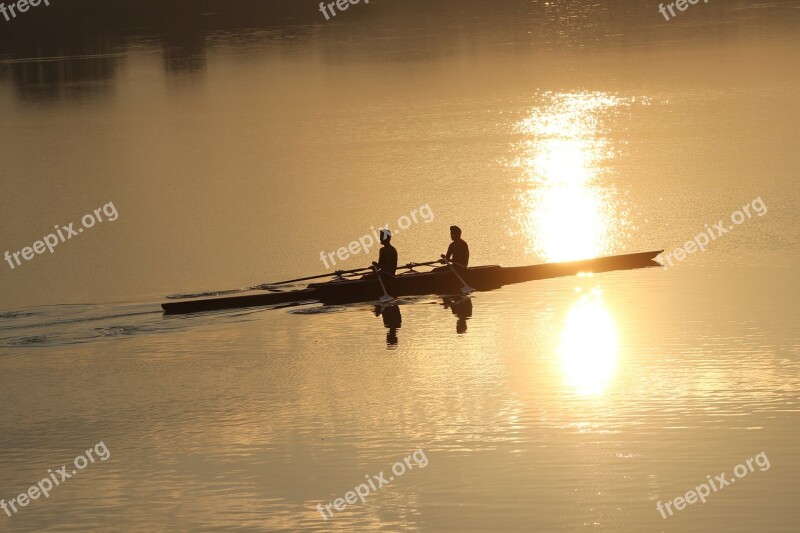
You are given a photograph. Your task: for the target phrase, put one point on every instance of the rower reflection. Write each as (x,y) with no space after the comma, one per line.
(461,306)
(392,319)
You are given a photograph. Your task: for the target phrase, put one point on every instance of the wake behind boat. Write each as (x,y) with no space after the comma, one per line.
(412,283)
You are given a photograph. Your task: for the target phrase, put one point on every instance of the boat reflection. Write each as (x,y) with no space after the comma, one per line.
(567,207)
(588,347)
(393,320)
(461,306)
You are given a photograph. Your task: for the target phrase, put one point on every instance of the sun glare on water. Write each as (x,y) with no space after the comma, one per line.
(567,207)
(588,347)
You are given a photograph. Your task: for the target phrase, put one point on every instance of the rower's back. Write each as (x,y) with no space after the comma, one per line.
(387,258)
(458,251)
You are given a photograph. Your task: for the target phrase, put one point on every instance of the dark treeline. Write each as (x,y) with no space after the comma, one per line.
(87,36)
(67,20)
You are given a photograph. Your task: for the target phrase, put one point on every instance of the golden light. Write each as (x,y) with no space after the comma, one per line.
(588,347)
(566,210)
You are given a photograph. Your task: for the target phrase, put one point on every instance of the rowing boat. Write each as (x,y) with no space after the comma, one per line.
(413,283)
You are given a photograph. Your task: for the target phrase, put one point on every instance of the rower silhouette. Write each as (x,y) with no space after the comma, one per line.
(387,257)
(458,251)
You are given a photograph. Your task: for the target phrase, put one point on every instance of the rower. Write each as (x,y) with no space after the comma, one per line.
(387,257)
(458,251)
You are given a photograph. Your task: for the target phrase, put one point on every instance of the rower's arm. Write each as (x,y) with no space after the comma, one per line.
(381,259)
(450,251)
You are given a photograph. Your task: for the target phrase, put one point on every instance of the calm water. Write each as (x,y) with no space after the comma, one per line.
(237,141)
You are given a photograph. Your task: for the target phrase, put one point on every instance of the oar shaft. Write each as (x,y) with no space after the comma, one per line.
(383,287)
(466,289)
(450,264)
(267,286)
(342,272)
(320,276)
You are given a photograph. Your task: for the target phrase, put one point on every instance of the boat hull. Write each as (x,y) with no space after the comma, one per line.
(440,282)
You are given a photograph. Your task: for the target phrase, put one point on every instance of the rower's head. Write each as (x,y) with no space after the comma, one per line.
(455,233)
(386,236)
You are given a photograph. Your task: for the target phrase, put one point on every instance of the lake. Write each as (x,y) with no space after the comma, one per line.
(194,146)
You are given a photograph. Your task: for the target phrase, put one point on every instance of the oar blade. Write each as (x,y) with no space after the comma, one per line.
(386,299)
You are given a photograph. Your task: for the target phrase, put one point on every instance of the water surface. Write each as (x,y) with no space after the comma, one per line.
(238,141)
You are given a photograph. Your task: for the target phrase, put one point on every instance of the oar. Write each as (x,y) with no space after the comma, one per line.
(270,286)
(309,278)
(466,289)
(385,298)
(337,273)
(342,272)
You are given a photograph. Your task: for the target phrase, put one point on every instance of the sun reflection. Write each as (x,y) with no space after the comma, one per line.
(566,211)
(588,346)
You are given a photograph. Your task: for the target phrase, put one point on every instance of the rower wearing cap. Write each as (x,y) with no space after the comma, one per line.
(387,257)
(458,251)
